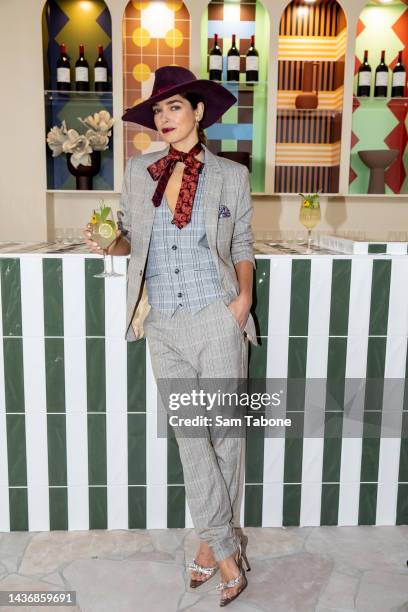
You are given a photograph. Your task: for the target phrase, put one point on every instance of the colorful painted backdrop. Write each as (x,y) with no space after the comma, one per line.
(380,123)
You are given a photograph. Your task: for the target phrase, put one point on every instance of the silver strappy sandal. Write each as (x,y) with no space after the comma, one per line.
(208,571)
(241,578)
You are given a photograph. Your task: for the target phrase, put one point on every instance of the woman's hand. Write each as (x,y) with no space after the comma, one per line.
(92,245)
(240,308)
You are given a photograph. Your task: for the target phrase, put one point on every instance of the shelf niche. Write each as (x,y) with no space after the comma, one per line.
(242,127)
(73,22)
(380,123)
(155,34)
(308,141)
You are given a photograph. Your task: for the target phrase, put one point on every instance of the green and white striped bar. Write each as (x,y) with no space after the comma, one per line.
(78,445)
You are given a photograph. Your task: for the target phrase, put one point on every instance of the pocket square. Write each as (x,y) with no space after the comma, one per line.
(223,211)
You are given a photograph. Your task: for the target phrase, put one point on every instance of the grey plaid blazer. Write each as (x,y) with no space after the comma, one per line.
(229,237)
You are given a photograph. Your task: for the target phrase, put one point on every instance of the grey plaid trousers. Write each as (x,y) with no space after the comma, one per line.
(207,345)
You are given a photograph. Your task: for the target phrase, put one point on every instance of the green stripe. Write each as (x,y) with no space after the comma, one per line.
(176,506)
(334,406)
(137,507)
(57,445)
(380,296)
(97,449)
(136,376)
(376,352)
(11,296)
(377,248)
(291,504)
(53,297)
(94,298)
(367,504)
(96,374)
(299,297)
(260,296)
(18,505)
(329,514)
(253,505)
(16,450)
(13,374)
(136,449)
(402,504)
(403,462)
(58,497)
(340,297)
(54,374)
(98,508)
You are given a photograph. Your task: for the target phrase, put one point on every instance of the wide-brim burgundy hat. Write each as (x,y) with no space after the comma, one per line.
(170,80)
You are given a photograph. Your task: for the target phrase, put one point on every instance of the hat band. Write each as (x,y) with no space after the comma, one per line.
(161,89)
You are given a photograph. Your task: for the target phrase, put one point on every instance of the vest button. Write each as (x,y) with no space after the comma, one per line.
(140,272)
(174,247)
(176,271)
(179,295)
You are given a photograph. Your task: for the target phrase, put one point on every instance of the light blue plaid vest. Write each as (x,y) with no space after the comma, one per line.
(180,271)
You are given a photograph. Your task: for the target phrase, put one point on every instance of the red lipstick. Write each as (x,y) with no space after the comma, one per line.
(165,130)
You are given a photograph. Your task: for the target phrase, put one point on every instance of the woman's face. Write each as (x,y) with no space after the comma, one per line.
(178,116)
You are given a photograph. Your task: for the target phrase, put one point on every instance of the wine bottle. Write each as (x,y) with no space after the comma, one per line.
(81,71)
(63,70)
(215,67)
(233,62)
(252,62)
(364,77)
(381,78)
(399,75)
(101,71)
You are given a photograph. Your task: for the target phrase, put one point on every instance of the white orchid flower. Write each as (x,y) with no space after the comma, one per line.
(56,138)
(79,147)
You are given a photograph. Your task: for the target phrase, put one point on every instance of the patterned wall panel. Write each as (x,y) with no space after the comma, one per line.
(308,141)
(242,128)
(73,23)
(155,34)
(380,123)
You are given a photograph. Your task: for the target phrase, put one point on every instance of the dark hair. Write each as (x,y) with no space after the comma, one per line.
(194,99)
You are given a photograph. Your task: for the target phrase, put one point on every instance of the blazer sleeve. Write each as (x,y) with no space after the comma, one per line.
(124,203)
(242,238)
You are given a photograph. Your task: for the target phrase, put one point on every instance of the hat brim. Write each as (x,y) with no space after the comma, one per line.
(217,100)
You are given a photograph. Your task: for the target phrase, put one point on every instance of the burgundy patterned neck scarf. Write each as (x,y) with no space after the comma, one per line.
(161,171)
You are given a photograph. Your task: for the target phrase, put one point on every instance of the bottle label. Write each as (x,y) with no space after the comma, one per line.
(233,62)
(81,73)
(215,62)
(252,62)
(101,75)
(63,75)
(364,78)
(398,79)
(381,79)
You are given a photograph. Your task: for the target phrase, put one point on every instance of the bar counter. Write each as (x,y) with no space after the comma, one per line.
(78,444)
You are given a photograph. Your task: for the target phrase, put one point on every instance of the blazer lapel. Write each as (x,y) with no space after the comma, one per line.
(211,197)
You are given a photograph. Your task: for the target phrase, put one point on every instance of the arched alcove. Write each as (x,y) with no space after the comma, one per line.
(242,127)
(308,138)
(75,22)
(380,123)
(155,34)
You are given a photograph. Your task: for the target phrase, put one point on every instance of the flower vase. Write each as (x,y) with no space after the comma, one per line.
(85,174)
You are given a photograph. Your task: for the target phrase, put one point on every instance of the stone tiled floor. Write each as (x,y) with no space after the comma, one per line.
(322,569)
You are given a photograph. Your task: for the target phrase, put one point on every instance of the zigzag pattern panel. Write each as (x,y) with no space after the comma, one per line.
(380,123)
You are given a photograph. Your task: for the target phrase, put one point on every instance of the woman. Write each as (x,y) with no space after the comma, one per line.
(187,224)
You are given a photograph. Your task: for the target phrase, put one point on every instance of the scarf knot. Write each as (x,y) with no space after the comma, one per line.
(161,171)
